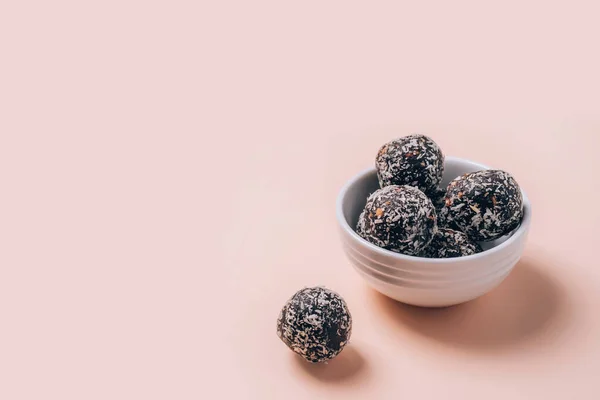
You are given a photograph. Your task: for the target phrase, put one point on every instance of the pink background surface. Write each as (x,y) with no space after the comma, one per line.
(169,172)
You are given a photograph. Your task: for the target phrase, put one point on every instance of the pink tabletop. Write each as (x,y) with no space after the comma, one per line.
(169,175)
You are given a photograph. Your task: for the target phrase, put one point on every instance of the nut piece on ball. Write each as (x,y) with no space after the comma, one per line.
(448,243)
(315,323)
(398,218)
(414,160)
(484,204)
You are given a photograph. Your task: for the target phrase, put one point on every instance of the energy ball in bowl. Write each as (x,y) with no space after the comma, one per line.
(414,160)
(398,218)
(484,204)
(438,198)
(448,243)
(443,218)
(315,323)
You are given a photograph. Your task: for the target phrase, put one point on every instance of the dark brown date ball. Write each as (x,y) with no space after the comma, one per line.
(413,160)
(315,323)
(438,198)
(448,243)
(484,204)
(443,218)
(398,218)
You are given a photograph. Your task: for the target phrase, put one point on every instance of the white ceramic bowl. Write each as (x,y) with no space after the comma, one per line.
(424,281)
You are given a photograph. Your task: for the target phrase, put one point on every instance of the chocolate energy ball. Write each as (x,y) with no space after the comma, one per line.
(485,204)
(315,323)
(398,218)
(438,198)
(443,218)
(448,243)
(413,160)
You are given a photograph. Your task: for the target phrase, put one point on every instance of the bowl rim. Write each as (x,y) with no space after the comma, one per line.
(516,234)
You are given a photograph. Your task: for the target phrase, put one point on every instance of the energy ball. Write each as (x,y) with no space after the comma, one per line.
(484,204)
(443,218)
(413,160)
(315,323)
(398,218)
(448,243)
(438,198)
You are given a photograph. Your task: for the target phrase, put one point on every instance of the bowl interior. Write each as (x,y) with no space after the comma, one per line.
(364,184)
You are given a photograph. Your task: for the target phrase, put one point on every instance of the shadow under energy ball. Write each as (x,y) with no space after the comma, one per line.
(315,323)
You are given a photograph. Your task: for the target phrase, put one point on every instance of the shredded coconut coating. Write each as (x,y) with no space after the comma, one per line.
(484,204)
(315,323)
(414,160)
(398,218)
(448,243)
(444,219)
(438,198)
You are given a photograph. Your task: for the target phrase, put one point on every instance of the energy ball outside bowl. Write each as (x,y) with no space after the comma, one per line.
(484,204)
(448,243)
(414,160)
(398,218)
(315,323)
